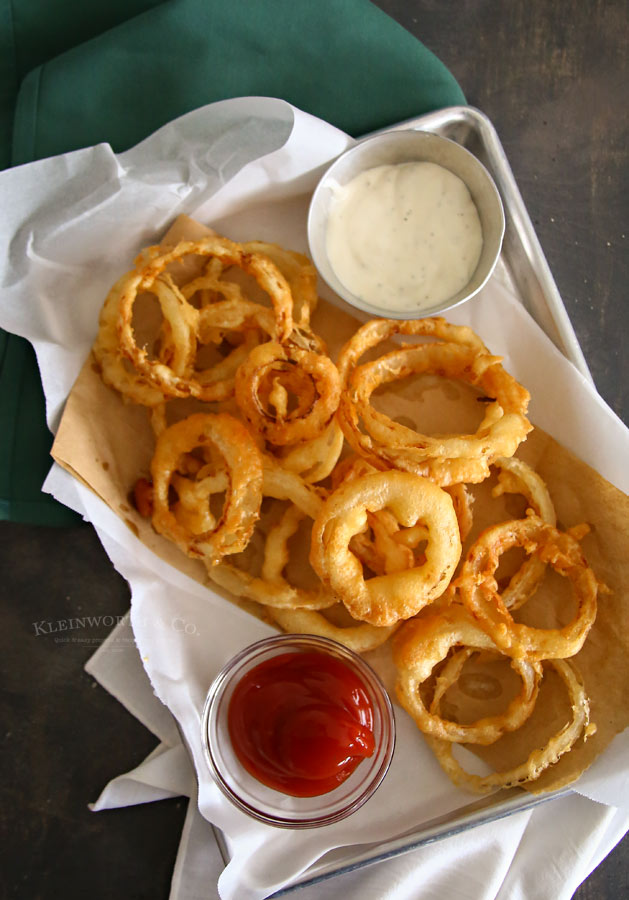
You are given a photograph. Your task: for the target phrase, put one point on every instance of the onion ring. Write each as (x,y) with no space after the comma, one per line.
(422,644)
(131,384)
(192,509)
(298,271)
(375,331)
(315,459)
(478,588)
(385,599)
(300,425)
(360,638)
(183,319)
(271,589)
(462,501)
(516,477)
(541,758)
(260,267)
(392,546)
(445,459)
(384,550)
(244,490)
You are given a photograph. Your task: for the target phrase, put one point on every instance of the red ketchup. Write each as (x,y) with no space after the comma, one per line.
(301,722)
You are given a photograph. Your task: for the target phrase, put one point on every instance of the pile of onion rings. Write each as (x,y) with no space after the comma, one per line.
(284,445)
(475,618)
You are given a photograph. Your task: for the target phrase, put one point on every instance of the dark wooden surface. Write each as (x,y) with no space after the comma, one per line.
(552,75)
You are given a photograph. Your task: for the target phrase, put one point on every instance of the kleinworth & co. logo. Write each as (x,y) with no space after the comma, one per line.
(56,626)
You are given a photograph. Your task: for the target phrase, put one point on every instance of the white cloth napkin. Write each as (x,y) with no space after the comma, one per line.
(544,853)
(246,166)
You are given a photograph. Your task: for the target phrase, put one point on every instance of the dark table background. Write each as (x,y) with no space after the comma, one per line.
(552,76)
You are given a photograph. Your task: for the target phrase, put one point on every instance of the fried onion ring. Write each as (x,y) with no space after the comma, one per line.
(446,459)
(382,546)
(422,644)
(540,759)
(287,427)
(360,638)
(243,496)
(479,592)
(270,588)
(315,459)
(185,322)
(276,557)
(392,546)
(298,271)
(385,599)
(516,477)
(462,500)
(131,384)
(260,267)
(376,331)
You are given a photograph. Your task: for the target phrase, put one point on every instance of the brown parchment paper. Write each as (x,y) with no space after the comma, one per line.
(108,444)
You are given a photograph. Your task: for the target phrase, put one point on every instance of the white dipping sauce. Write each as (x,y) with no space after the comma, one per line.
(404,237)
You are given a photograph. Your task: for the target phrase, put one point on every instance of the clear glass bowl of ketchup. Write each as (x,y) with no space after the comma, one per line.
(298,731)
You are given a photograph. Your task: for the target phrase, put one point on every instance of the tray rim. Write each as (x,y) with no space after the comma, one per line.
(536,288)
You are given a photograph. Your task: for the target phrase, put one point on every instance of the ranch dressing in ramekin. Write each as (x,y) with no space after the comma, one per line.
(405,236)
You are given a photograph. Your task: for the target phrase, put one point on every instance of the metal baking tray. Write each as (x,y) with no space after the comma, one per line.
(523,267)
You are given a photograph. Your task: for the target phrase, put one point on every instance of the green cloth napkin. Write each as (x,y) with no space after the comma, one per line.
(116,72)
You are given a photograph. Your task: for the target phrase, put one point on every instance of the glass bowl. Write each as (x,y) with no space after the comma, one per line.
(266,804)
(392,148)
